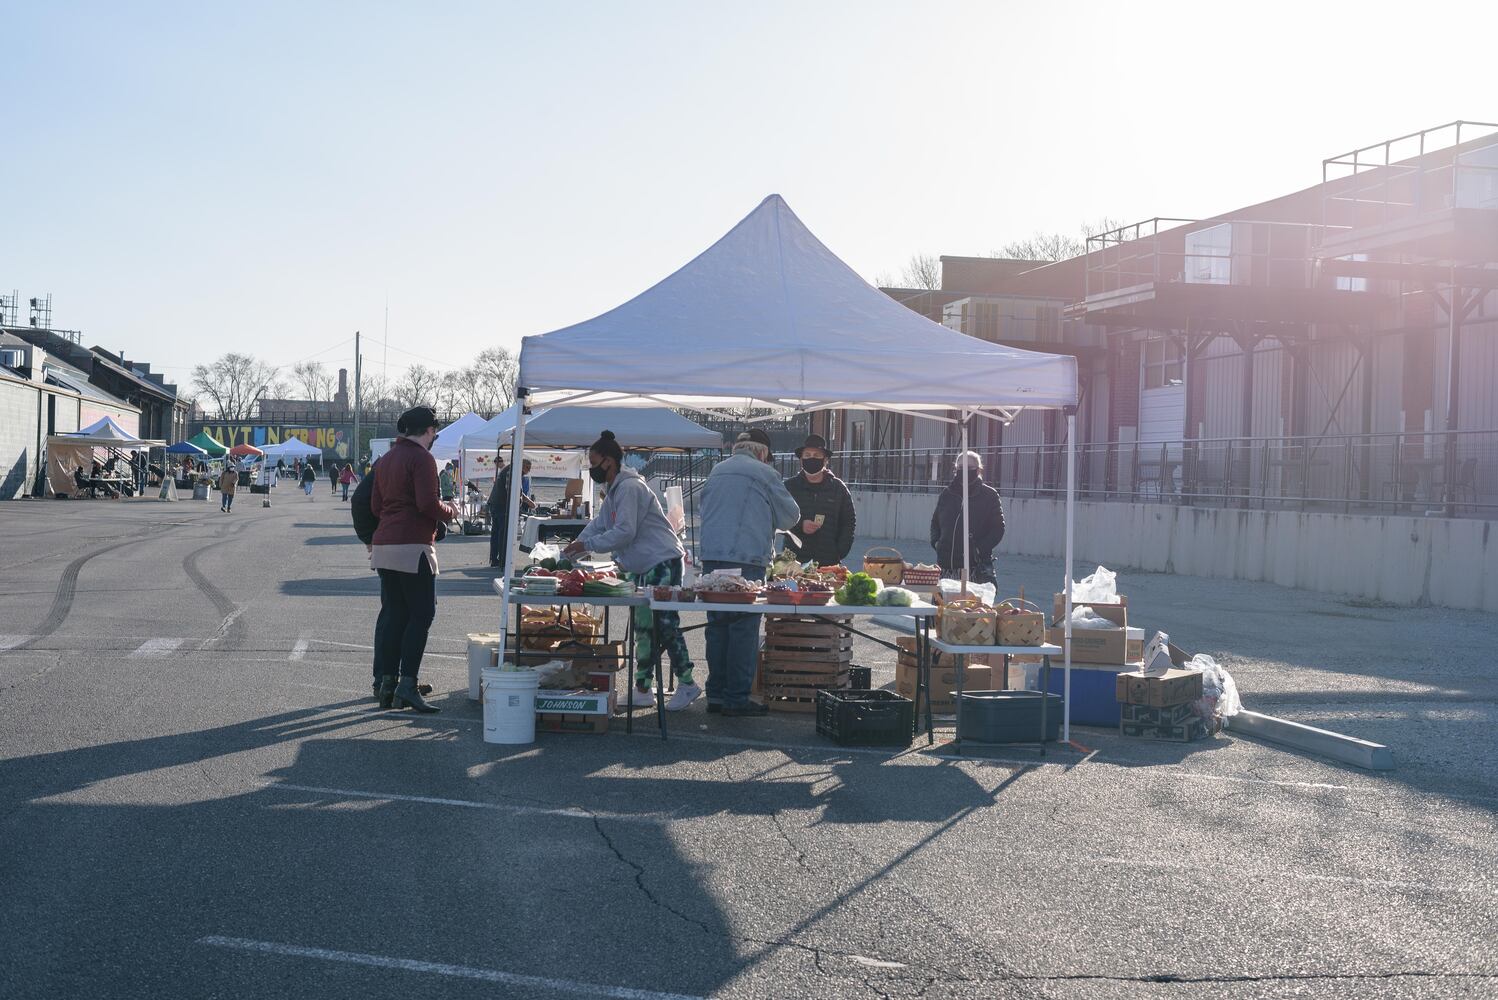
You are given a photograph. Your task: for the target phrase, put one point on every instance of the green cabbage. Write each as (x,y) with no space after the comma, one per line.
(895,597)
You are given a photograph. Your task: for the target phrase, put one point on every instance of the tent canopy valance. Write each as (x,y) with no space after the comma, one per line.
(769,318)
(650,429)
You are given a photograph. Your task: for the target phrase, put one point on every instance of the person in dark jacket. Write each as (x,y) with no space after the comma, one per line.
(499,502)
(406,499)
(309,480)
(985,523)
(827,518)
(365,524)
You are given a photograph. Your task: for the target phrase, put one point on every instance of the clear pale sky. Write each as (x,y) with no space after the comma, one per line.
(191,178)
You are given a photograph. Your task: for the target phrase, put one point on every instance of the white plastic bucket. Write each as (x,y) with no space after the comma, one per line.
(510,705)
(483,651)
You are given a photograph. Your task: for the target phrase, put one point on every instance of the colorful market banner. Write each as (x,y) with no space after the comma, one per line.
(335,440)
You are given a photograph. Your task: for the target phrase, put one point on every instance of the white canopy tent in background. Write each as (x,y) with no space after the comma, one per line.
(105,433)
(486,436)
(291,449)
(769,318)
(449,439)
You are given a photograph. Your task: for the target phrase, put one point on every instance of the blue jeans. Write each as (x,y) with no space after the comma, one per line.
(732,645)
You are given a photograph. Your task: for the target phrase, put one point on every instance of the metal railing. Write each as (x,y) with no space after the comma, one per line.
(1453,474)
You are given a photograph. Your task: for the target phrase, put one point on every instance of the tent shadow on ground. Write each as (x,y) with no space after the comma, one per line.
(369,586)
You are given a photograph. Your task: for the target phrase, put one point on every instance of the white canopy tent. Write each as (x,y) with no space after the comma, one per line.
(486,436)
(450,438)
(292,448)
(105,433)
(769,318)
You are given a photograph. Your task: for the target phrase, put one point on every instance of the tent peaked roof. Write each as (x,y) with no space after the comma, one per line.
(768,316)
(208,443)
(106,431)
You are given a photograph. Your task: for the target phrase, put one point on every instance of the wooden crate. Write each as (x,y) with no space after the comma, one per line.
(801,656)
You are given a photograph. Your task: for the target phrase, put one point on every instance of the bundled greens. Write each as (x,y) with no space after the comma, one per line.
(895,597)
(860,589)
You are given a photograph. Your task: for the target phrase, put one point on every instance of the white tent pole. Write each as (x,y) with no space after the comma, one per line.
(967,538)
(511,526)
(1071,516)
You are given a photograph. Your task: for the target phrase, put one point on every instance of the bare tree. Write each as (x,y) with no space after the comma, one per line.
(496,371)
(1055,246)
(923,270)
(234,385)
(418,387)
(313,381)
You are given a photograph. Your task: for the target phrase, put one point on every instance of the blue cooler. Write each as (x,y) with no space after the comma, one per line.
(1094,691)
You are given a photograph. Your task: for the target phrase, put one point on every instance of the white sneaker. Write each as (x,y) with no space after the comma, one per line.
(643,699)
(683,696)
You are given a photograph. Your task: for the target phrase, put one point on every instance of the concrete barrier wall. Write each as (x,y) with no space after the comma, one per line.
(1403,560)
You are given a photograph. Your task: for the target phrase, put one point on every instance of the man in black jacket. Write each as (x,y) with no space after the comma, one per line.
(499,502)
(985,523)
(827,518)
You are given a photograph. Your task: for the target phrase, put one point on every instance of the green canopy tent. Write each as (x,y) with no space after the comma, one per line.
(205,441)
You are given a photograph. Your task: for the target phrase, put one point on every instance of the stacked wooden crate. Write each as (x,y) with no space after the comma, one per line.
(801,656)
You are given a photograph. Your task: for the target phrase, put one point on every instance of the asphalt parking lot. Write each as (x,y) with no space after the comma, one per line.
(199,799)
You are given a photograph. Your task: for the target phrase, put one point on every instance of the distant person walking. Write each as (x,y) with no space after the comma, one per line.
(333,478)
(449,488)
(346,479)
(228,482)
(309,480)
(405,499)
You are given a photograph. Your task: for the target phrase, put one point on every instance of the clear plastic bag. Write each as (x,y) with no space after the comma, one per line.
(1101,587)
(1083,617)
(1219,698)
(985,592)
(545,550)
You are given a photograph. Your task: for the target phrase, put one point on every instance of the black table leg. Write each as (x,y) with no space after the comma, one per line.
(923,674)
(629,672)
(657,654)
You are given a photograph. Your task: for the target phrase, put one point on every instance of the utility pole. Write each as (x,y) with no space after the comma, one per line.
(358,445)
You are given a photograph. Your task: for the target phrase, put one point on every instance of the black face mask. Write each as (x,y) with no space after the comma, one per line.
(813,465)
(598,474)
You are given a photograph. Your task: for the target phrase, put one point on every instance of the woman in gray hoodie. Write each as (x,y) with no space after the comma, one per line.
(631,526)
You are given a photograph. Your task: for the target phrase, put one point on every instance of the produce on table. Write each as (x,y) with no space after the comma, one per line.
(714,583)
(895,597)
(861,588)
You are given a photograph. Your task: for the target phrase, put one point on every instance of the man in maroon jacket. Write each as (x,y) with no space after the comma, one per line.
(405,498)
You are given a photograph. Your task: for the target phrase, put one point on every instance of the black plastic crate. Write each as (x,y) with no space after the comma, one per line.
(1008,717)
(860,678)
(865,718)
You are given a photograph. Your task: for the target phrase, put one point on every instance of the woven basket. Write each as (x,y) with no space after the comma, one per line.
(1022,626)
(922,577)
(889,569)
(967,621)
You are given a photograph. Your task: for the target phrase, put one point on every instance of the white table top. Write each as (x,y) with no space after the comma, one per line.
(1045,649)
(917,610)
(554,600)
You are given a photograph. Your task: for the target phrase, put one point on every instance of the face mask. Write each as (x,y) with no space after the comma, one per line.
(598,474)
(813,465)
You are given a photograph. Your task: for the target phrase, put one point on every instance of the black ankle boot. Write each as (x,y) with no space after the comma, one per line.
(385,690)
(406,696)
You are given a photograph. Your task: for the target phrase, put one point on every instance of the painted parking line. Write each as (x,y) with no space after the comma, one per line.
(156,648)
(441,969)
(1379,883)
(300,649)
(570,812)
(12,641)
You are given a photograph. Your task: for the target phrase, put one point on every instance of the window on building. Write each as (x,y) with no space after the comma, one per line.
(858,435)
(1209,256)
(1346,284)
(1164,363)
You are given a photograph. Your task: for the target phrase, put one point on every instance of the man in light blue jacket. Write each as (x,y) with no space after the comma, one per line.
(744,501)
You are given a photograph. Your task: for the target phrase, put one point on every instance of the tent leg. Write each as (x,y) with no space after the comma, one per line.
(967,537)
(512,513)
(1071,515)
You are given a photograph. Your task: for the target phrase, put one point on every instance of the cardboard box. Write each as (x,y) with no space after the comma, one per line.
(1145,715)
(571,722)
(574,488)
(575,702)
(1118,613)
(1106,646)
(1174,687)
(1186,732)
(943,683)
